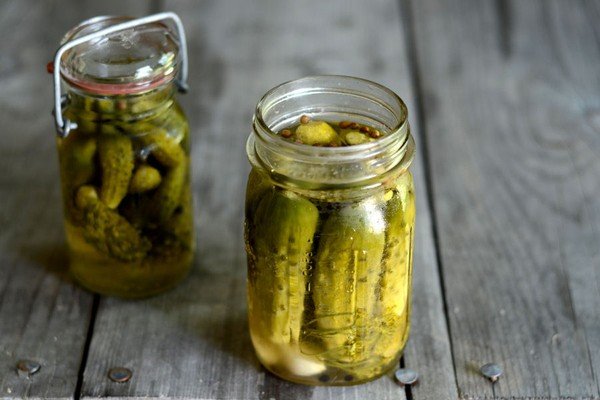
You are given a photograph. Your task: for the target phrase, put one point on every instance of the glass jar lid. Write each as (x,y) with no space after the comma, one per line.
(128,61)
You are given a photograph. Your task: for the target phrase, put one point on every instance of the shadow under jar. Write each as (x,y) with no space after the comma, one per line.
(124,166)
(329,232)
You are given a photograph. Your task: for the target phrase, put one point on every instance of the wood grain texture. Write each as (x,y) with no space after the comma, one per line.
(193,342)
(43,315)
(511,110)
(428,351)
(511,93)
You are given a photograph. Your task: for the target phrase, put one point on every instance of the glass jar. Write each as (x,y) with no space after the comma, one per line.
(329,235)
(123,146)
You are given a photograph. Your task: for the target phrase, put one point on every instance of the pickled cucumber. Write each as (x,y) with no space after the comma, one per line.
(165,199)
(105,105)
(85,126)
(282,234)
(116,162)
(400,215)
(354,137)
(345,281)
(107,230)
(316,133)
(144,178)
(257,185)
(394,282)
(333,134)
(181,223)
(166,149)
(77,154)
(137,129)
(77,159)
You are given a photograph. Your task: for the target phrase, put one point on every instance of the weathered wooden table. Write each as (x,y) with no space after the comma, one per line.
(505,103)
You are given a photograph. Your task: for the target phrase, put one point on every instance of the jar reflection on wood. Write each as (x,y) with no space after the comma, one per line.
(124,158)
(329,232)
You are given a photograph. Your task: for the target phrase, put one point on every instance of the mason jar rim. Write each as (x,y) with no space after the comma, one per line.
(272,136)
(300,165)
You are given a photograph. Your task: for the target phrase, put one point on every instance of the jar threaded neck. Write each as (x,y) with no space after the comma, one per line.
(331,98)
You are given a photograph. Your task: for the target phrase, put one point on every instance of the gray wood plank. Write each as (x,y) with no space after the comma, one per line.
(193,341)
(428,351)
(43,315)
(511,91)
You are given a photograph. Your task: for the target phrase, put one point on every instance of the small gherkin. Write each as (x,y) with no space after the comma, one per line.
(77,158)
(108,231)
(166,197)
(181,223)
(116,163)
(144,178)
(77,154)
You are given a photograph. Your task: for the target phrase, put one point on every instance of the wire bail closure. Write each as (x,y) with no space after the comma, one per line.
(64,126)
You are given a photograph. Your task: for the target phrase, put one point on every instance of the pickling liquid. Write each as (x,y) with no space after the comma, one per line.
(126,193)
(329,282)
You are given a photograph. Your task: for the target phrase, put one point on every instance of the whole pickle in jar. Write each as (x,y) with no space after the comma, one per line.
(108,231)
(116,162)
(77,153)
(166,197)
(345,282)
(283,228)
(395,279)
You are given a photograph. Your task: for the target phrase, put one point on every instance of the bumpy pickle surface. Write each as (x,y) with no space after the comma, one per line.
(77,168)
(126,190)
(144,178)
(351,246)
(329,279)
(287,224)
(107,230)
(115,153)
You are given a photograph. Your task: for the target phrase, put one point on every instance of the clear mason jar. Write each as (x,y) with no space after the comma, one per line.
(123,147)
(329,235)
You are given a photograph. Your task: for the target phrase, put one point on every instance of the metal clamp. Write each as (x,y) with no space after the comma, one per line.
(63,127)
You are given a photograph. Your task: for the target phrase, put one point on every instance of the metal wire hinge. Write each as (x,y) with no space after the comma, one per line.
(64,126)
